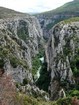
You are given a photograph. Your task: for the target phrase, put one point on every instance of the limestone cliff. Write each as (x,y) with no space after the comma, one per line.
(20,38)
(20,41)
(62,56)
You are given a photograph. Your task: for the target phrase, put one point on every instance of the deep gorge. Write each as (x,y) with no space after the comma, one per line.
(39,58)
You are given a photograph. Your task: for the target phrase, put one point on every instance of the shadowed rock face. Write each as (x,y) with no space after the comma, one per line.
(61,50)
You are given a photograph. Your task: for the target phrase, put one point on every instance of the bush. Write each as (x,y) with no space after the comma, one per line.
(14,61)
(25,81)
(74,92)
(75,66)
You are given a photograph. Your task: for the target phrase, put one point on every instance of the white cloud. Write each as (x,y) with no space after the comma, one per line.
(32,5)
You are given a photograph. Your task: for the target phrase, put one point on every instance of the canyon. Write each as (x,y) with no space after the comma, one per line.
(39,57)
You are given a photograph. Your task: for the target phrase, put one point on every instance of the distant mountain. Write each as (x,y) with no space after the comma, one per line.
(50,18)
(68,7)
(8,13)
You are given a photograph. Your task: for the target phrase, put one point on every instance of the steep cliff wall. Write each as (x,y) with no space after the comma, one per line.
(20,38)
(62,56)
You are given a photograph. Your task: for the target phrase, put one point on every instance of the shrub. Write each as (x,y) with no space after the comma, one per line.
(25,81)
(14,61)
(74,93)
(75,66)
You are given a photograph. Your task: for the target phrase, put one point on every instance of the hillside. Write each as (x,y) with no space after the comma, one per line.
(50,18)
(68,7)
(8,13)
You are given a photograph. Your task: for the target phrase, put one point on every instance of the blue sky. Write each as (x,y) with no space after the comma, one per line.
(32,6)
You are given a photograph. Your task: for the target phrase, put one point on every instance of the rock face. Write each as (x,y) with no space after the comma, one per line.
(33,90)
(20,37)
(47,22)
(20,41)
(61,51)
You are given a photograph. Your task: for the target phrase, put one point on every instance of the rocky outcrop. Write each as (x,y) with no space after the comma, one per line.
(33,90)
(20,39)
(61,51)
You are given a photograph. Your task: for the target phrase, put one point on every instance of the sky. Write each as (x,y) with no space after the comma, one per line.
(32,6)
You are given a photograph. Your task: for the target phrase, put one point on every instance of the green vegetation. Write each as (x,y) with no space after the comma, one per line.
(44,80)
(8,13)
(25,81)
(8,53)
(23,31)
(3,54)
(64,101)
(50,25)
(74,19)
(67,49)
(75,66)
(1,63)
(35,64)
(29,100)
(64,12)
(73,93)
(15,62)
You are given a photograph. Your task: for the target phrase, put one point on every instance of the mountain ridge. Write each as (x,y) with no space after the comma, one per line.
(9,13)
(63,8)
(49,19)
